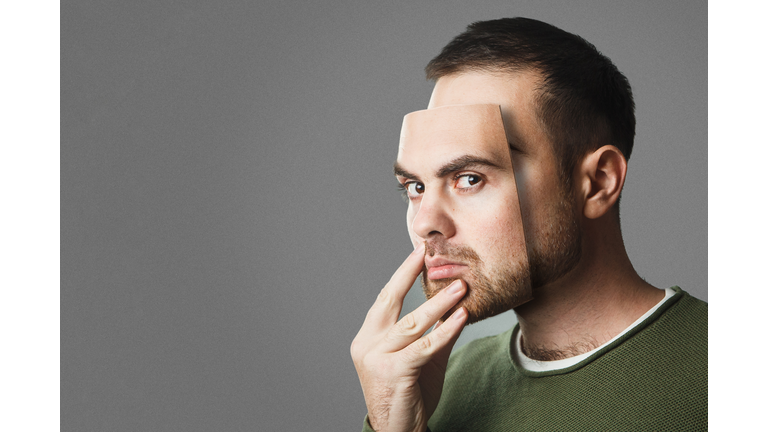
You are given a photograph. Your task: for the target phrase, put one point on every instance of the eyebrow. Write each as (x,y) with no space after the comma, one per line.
(458,164)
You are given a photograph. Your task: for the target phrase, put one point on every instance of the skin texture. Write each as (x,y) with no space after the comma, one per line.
(585,288)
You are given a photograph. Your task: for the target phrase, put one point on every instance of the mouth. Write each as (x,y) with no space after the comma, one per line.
(440,268)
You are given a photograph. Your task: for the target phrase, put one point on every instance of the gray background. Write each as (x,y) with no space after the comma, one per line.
(228,211)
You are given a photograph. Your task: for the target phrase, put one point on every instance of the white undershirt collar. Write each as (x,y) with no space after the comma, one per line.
(546,366)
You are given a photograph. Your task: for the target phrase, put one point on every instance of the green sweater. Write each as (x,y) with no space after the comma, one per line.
(653,378)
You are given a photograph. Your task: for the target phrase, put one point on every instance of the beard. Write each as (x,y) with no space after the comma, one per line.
(551,254)
(490,291)
(556,249)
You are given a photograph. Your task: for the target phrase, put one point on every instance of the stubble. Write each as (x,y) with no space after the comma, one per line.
(490,291)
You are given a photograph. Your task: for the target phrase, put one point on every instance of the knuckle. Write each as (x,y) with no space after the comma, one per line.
(365,362)
(385,297)
(407,325)
(434,310)
(416,351)
(363,354)
(442,331)
(423,344)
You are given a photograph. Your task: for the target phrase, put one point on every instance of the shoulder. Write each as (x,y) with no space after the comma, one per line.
(677,330)
(668,352)
(691,306)
(685,318)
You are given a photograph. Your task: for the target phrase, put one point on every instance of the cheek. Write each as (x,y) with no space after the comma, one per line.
(497,229)
(538,205)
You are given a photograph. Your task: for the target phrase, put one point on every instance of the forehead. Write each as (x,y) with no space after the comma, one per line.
(438,135)
(516,94)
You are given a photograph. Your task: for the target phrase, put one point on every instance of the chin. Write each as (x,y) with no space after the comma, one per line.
(486,297)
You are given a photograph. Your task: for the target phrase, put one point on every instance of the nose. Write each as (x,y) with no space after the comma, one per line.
(433,218)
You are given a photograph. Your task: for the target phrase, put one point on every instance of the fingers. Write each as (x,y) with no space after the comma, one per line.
(439,341)
(389,303)
(413,325)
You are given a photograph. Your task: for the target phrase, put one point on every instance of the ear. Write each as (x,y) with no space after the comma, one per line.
(601,176)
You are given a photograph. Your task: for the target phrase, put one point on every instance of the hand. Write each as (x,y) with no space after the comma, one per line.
(401,371)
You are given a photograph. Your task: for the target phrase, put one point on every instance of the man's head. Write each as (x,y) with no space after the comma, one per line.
(568,157)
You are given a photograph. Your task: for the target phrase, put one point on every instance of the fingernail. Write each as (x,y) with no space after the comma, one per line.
(455,287)
(459,314)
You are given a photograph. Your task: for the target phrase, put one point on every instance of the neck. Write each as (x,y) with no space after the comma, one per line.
(595,301)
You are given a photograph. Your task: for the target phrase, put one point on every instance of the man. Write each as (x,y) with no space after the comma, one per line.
(596,347)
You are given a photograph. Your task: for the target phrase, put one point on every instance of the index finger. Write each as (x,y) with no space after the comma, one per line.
(389,303)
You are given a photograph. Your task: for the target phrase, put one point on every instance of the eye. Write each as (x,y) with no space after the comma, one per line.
(411,189)
(466,181)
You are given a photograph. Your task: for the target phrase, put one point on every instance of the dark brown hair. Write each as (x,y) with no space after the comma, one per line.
(584,101)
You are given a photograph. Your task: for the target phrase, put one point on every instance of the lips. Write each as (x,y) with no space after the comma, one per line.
(441,268)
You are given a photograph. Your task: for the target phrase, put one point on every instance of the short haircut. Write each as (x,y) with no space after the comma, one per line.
(584,101)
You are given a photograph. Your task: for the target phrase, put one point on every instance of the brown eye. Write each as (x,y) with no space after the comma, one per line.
(467,180)
(414,189)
